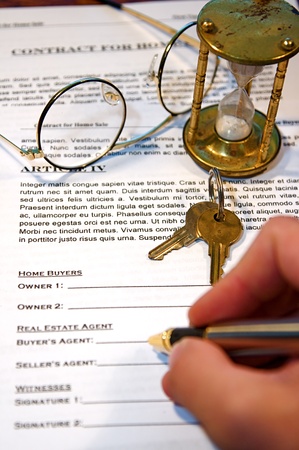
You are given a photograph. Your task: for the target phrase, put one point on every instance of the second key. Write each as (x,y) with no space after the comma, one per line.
(219,235)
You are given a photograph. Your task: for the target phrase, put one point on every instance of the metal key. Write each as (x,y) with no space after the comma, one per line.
(219,235)
(187,234)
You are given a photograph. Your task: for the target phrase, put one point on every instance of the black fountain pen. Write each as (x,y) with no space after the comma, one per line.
(269,337)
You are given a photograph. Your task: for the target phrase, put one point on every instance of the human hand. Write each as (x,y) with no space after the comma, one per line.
(242,407)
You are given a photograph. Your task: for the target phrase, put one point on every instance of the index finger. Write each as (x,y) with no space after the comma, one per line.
(264,283)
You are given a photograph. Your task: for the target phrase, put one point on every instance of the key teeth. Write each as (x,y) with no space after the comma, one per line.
(175,242)
(159,252)
(223,260)
(151,255)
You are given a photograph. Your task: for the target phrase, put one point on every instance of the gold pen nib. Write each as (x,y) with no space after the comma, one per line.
(156,341)
(161,342)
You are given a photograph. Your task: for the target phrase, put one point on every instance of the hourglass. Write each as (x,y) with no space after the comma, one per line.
(250,34)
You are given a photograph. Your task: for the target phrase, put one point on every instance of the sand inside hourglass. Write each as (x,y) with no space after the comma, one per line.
(236,110)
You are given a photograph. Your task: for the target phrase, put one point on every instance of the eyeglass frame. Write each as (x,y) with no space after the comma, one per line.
(35,152)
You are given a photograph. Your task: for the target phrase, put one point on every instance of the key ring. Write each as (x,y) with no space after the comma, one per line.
(214,174)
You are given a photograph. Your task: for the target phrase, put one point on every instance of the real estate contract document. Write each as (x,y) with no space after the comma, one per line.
(79,295)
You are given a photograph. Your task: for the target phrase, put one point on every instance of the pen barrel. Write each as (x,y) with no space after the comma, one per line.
(253,338)
(279,337)
(176,334)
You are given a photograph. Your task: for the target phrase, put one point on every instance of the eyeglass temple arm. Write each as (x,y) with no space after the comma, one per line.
(29,152)
(155,23)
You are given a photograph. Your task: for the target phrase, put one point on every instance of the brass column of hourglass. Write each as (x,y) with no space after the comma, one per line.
(249,34)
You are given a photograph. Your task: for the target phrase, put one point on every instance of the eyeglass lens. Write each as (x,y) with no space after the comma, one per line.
(81,123)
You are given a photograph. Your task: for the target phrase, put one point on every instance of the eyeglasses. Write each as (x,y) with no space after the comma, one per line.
(83,121)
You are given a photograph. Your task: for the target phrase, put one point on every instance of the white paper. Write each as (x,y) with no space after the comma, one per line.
(80,297)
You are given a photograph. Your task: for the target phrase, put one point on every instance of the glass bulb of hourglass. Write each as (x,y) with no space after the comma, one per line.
(236,110)
(235,116)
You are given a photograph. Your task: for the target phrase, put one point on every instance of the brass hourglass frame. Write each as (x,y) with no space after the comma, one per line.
(250,32)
